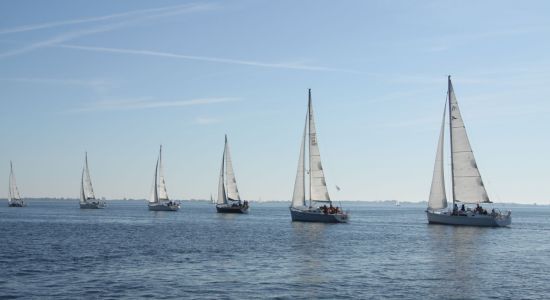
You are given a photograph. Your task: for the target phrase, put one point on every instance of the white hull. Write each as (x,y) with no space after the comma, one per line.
(164,207)
(469,219)
(92,205)
(316,215)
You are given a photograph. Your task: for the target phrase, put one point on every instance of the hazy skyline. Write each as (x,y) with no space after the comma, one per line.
(117,79)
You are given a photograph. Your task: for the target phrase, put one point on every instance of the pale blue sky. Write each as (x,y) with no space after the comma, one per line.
(117,78)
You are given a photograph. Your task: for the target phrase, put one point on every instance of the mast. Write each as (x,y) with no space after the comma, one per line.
(224,166)
(155,192)
(309,142)
(303,160)
(449,88)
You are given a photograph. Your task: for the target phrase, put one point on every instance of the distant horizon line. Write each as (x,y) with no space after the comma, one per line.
(271,201)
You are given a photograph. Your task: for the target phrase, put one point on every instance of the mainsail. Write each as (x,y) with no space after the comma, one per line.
(86,189)
(467,184)
(317,184)
(159,185)
(13,194)
(438,197)
(230,181)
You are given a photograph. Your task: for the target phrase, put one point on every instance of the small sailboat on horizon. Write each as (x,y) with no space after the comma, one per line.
(87,196)
(14,198)
(466,182)
(316,209)
(229,200)
(159,199)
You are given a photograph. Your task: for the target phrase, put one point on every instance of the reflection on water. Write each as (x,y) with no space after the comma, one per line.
(458,252)
(308,244)
(56,250)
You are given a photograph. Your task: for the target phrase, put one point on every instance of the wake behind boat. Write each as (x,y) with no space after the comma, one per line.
(14,198)
(467,185)
(87,196)
(159,199)
(229,200)
(316,210)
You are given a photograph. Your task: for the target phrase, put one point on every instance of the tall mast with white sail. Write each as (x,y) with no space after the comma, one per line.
(317,185)
(13,194)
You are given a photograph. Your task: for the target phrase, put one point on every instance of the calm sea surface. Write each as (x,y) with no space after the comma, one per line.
(53,249)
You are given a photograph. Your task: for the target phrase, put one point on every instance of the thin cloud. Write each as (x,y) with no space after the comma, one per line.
(294,66)
(148,103)
(32,27)
(206,120)
(60,81)
(84,32)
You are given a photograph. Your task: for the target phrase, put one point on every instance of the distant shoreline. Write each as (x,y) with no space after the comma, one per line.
(369,202)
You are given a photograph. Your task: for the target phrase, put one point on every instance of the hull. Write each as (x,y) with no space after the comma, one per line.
(164,207)
(92,205)
(232,209)
(445,218)
(317,216)
(17,204)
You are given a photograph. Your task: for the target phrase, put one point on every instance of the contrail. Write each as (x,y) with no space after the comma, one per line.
(188,7)
(203,58)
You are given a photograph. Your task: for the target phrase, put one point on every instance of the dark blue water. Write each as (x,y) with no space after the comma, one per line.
(53,249)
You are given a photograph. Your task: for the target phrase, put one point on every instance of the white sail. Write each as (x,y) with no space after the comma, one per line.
(230,181)
(299,195)
(87,191)
(13,191)
(222,197)
(438,197)
(318,184)
(467,184)
(161,185)
(82,194)
(154,193)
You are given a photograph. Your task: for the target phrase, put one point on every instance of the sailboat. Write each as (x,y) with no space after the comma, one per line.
(14,198)
(159,199)
(87,196)
(229,200)
(316,209)
(467,185)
